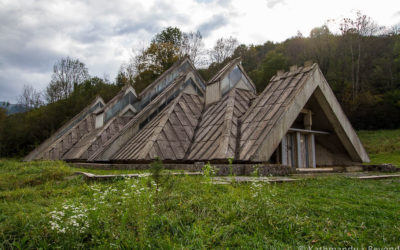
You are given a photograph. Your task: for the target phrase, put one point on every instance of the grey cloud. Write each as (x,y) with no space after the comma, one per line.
(34,35)
(128,27)
(271,3)
(96,33)
(219,2)
(226,3)
(214,23)
(396,13)
(30,59)
(12,81)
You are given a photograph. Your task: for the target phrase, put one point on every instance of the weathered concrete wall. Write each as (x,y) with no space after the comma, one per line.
(119,142)
(324,157)
(39,152)
(190,90)
(213,93)
(99,120)
(242,85)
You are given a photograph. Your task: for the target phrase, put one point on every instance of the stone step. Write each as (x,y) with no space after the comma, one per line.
(91,176)
(330,169)
(377,177)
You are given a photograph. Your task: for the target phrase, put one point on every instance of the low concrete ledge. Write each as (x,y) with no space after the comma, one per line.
(248,179)
(381,168)
(220,169)
(377,177)
(91,176)
(349,169)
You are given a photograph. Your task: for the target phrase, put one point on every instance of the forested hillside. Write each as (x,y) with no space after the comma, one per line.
(363,71)
(22,132)
(361,63)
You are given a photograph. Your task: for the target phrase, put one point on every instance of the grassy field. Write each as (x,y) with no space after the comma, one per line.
(42,204)
(383,146)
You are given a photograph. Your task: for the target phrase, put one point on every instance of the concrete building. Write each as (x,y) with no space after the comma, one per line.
(296,121)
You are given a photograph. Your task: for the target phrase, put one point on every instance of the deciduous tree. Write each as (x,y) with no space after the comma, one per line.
(67,73)
(223,49)
(30,98)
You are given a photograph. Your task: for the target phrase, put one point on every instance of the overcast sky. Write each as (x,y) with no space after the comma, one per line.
(101,33)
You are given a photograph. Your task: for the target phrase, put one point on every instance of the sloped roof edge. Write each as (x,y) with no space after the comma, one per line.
(168,71)
(315,84)
(135,119)
(227,68)
(222,72)
(156,133)
(34,153)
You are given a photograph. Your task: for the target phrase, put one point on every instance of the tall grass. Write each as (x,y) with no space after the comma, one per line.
(383,146)
(62,210)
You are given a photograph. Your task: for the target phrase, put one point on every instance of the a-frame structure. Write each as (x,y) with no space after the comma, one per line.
(296,121)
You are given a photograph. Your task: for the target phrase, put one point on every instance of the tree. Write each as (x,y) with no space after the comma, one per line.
(165,49)
(223,49)
(353,30)
(192,46)
(67,73)
(321,46)
(395,29)
(172,35)
(273,61)
(3,115)
(30,98)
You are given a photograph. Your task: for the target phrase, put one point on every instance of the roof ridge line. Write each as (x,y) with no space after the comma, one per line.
(99,133)
(58,140)
(159,128)
(195,131)
(50,140)
(265,133)
(164,74)
(222,72)
(228,117)
(135,118)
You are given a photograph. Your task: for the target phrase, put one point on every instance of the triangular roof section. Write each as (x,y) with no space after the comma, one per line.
(230,68)
(147,100)
(168,135)
(217,134)
(180,83)
(74,140)
(85,147)
(82,116)
(109,121)
(274,111)
(180,67)
(126,97)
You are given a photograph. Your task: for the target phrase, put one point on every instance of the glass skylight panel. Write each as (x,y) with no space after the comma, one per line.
(234,76)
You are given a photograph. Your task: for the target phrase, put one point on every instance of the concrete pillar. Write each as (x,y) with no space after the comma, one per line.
(312,152)
(298,143)
(284,150)
(308,120)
